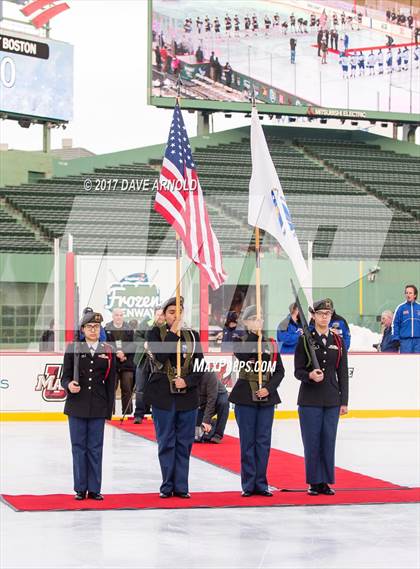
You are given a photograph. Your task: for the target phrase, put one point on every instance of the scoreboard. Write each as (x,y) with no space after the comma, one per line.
(36,77)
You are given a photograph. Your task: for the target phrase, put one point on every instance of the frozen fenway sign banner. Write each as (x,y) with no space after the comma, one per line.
(135,295)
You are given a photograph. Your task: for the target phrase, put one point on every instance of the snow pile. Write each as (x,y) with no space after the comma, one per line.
(363,338)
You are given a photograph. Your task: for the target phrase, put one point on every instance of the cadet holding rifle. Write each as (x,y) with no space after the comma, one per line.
(321,366)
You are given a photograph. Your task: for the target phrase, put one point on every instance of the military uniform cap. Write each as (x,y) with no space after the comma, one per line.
(231,316)
(249,312)
(172,302)
(91,317)
(324,304)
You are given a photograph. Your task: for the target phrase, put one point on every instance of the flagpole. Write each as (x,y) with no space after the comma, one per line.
(178,268)
(258,299)
(258,280)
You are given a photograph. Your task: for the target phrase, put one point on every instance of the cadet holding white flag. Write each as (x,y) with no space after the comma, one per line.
(267,207)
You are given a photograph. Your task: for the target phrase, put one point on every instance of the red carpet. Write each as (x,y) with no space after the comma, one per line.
(61,502)
(285,470)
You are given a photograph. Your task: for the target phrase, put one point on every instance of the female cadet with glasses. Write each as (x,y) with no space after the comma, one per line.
(323,397)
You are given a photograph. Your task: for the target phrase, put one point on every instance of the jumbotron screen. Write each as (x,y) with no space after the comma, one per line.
(36,76)
(302,56)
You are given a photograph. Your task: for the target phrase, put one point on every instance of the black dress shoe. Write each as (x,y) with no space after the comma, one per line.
(266,493)
(80,496)
(325,489)
(313,490)
(246,494)
(165,495)
(138,420)
(95,496)
(182,495)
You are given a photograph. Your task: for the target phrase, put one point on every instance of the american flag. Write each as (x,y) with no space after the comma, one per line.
(180,201)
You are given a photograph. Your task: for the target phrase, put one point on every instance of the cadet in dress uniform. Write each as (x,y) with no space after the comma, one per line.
(254,408)
(323,397)
(174,399)
(89,379)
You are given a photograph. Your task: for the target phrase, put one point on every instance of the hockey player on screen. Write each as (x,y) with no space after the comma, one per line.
(344,62)
(380,62)
(389,61)
(405,58)
(371,63)
(237,25)
(353,64)
(399,60)
(417,56)
(361,60)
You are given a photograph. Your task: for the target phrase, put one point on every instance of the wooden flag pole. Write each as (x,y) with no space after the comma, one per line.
(178,269)
(258,280)
(178,302)
(258,299)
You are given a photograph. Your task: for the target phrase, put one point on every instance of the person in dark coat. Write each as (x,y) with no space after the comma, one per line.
(213,401)
(323,397)
(121,337)
(254,407)
(89,379)
(46,342)
(230,331)
(388,342)
(174,398)
(141,361)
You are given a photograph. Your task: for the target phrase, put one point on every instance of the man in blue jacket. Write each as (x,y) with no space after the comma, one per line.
(289,330)
(406,323)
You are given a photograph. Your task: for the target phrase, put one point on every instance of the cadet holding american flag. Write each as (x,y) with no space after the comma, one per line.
(172,389)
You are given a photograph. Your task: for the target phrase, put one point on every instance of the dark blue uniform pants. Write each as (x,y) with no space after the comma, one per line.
(87,439)
(175,435)
(142,372)
(318,426)
(255,424)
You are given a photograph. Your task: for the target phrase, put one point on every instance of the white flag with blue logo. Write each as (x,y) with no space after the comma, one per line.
(267,208)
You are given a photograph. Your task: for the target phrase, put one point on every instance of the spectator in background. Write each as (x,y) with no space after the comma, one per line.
(176,65)
(293,43)
(338,324)
(121,337)
(388,344)
(213,401)
(141,363)
(217,70)
(289,330)
(46,342)
(406,322)
(228,74)
(230,332)
(199,55)
(133,324)
(158,58)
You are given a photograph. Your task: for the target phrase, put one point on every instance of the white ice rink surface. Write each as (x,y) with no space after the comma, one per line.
(36,459)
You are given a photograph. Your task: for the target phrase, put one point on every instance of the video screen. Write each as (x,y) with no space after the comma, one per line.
(293,52)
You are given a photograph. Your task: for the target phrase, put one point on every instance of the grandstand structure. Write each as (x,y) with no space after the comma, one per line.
(354,195)
(343,195)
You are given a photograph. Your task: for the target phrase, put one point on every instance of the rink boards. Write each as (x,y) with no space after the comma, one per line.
(381,385)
